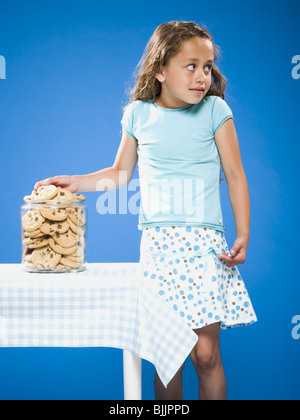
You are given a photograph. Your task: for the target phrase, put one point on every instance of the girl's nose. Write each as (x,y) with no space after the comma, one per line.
(200,76)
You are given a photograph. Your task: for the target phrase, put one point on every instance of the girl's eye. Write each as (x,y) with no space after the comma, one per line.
(193,66)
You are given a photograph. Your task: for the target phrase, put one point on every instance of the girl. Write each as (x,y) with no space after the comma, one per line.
(181,129)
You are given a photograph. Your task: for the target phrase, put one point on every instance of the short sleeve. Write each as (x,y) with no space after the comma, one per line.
(220,113)
(128,120)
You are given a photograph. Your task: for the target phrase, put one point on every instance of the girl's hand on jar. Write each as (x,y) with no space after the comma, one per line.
(64,181)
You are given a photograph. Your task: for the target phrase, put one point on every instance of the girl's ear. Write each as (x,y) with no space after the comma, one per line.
(160,76)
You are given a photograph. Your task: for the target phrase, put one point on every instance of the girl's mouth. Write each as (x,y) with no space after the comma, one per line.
(199,91)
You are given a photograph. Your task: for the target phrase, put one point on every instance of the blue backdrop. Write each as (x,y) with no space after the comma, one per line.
(68,65)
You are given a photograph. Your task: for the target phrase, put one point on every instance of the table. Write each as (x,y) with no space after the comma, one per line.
(107,305)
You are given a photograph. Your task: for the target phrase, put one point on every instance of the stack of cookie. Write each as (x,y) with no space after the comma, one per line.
(54,226)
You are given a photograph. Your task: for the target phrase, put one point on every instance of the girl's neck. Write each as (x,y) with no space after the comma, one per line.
(165,103)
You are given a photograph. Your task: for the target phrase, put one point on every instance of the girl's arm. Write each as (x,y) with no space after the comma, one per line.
(113,177)
(227,143)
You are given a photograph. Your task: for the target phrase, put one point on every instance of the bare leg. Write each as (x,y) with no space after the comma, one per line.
(174,389)
(206,358)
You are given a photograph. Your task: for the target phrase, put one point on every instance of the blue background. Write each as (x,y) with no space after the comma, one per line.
(68,66)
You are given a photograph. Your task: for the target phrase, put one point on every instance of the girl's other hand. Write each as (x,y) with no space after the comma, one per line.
(64,181)
(238,252)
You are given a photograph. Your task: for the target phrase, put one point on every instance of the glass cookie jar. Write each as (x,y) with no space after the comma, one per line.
(53,235)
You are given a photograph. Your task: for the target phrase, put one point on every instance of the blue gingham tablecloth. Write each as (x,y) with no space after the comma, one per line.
(107,305)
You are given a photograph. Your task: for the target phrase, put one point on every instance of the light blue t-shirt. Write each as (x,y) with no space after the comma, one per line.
(179,163)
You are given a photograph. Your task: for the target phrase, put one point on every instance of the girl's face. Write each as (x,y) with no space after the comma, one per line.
(186,74)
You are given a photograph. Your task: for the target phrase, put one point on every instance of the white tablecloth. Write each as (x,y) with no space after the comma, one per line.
(107,305)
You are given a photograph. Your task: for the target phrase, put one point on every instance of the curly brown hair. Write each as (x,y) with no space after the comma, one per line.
(164,44)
